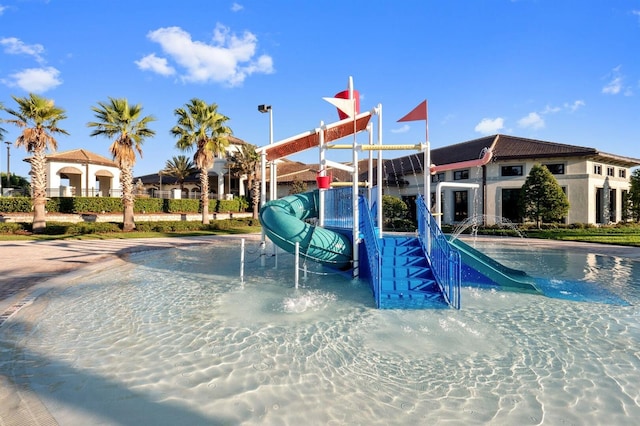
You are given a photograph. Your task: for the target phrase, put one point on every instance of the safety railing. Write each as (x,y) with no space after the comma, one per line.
(372,245)
(444,259)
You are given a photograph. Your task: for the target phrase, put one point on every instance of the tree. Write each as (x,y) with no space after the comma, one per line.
(634,195)
(38,117)
(541,198)
(18,182)
(179,167)
(117,118)
(246,162)
(201,127)
(298,186)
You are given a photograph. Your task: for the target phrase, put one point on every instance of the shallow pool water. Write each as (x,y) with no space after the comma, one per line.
(175,337)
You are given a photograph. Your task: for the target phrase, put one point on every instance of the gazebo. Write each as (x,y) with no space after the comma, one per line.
(81,173)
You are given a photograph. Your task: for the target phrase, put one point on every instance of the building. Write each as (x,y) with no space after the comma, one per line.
(596,183)
(81,173)
(222,184)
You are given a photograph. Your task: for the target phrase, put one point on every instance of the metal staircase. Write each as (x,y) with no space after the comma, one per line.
(406,279)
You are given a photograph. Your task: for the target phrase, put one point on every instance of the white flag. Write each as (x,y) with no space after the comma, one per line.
(348,106)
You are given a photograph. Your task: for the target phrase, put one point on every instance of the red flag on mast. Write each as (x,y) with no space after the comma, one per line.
(418,113)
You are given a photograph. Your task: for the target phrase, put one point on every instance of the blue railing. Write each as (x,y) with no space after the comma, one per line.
(372,245)
(444,259)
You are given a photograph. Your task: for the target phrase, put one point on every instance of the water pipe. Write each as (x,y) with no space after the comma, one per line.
(488,155)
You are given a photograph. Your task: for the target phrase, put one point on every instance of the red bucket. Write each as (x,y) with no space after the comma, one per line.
(345,95)
(324,182)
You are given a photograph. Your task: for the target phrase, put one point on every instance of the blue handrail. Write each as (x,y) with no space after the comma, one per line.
(444,259)
(372,245)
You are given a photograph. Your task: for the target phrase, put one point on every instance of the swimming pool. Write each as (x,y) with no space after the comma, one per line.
(174,337)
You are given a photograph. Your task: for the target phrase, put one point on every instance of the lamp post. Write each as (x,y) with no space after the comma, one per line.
(272,187)
(8,163)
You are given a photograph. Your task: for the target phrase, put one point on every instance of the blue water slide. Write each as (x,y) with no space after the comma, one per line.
(284,222)
(482,269)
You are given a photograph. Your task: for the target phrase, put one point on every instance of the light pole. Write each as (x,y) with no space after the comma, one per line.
(272,187)
(8,163)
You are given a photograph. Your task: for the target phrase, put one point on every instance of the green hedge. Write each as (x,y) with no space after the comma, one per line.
(15,204)
(78,205)
(182,206)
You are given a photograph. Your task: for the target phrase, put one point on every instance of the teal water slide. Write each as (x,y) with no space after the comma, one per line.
(284,221)
(491,271)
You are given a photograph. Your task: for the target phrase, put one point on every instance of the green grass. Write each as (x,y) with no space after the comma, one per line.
(161,230)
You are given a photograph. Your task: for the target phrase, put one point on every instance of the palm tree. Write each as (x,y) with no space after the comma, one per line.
(118,119)
(246,161)
(179,167)
(38,117)
(202,127)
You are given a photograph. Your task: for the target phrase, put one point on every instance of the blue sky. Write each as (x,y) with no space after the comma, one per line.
(556,70)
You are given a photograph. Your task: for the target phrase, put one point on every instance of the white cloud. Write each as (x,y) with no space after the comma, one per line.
(36,80)
(228,59)
(404,129)
(2,9)
(236,7)
(575,105)
(614,86)
(489,126)
(533,121)
(637,13)
(551,109)
(158,65)
(14,46)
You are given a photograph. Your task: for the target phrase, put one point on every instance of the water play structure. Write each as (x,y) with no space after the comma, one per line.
(340,226)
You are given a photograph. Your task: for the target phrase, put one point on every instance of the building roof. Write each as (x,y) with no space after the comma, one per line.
(504,147)
(80,156)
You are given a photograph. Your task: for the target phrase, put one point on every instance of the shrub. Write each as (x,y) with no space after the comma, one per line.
(148,205)
(11,227)
(15,204)
(181,206)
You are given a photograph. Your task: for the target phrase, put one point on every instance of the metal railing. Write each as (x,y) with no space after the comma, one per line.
(444,259)
(372,245)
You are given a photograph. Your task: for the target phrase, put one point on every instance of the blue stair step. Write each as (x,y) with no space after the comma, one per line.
(407,279)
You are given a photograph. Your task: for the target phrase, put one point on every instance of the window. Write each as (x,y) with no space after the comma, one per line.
(460,205)
(511,171)
(511,204)
(439,177)
(555,169)
(622,173)
(610,171)
(597,169)
(461,174)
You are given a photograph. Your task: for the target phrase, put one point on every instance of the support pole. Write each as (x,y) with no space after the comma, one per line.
(380,171)
(242,261)
(297,263)
(323,172)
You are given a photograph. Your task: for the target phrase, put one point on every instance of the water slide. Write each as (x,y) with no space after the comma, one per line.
(491,271)
(284,222)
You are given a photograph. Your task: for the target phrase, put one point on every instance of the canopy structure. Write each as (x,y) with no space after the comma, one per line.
(311,139)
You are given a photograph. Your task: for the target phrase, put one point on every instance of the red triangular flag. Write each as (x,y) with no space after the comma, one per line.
(418,113)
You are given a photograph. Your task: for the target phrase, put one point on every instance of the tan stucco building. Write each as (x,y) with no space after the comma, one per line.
(596,182)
